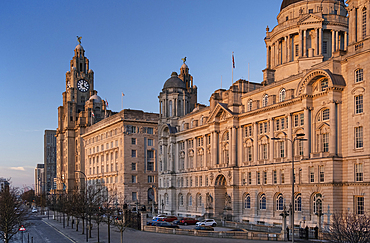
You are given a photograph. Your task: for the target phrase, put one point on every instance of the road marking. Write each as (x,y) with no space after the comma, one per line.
(59,231)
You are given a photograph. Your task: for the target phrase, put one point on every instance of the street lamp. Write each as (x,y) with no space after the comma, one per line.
(87,222)
(299,136)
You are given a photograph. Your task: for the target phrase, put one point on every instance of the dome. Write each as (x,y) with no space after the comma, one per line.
(286,3)
(184,66)
(174,82)
(95,99)
(79,47)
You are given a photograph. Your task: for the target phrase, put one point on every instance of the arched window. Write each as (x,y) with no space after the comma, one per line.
(279,202)
(298,203)
(170,109)
(166,199)
(262,202)
(249,105)
(199,200)
(181,200)
(282,95)
(247,202)
(190,203)
(359,75)
(364,19)
(317,203)
(324,84)
(265,100)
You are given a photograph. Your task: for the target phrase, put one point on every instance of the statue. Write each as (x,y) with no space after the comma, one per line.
(79,39)
(183,59)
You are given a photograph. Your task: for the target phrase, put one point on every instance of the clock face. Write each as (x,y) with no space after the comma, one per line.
(83,85)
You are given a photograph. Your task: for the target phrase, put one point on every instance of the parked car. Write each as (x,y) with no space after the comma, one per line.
(207,222)
(203,227)
(159,216)
(186,221)
(170,218)
(34,210)
(165,224)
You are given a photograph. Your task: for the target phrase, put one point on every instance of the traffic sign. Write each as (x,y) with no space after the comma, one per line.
(22,228)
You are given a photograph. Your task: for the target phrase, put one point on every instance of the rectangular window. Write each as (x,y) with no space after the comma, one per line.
(200,181)
(296,124)
(282,177)
(150,142)
(282,123)
(249,178)
(301,119)
(150,166)
(325,142)
(359,104)
(360,205)
(133,166)
(264,177)
(149,130)
(324,47)
(134,196)
(133,153)
(359,174)
(359,75)
(264,151)
(249,154)
(312,174)
(258,178)
(150,179)
(364,17)
(322,173)
(277,124)
(281,149)
(265,126)
(150,154)
(310,11)
(261,128)
(359,140)
(133,179)
(296,50)
(274,176)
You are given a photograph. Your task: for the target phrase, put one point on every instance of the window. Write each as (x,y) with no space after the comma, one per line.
(310,11)
(364,17)
(317,203)
(133,179)
(265,100)
(359,75)
(324,84)
(298,203)
(325,142)
(249,154)
(150,154)
(249,105)
(249,178)
(149,130)
(247,202)
(248,131)
(133,166)
(264,151)
(359,105)
(296,50)
(262,202)
(324,47)
(359,137)
(359,174)
(150,179)
(360,204)
(274,176)
(258,178)
(190,200)
(281,149)
(277,124)
(170,108)
(322,173)
(282,95)
(264,177)
(325,115)
(312,174)
(134,196)
(150,142)
(282,177)
(279,202)
(300,147)
(133,153)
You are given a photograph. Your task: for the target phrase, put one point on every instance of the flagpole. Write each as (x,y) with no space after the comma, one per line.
(122,100)
(248,72)
(221,81)
(232,69)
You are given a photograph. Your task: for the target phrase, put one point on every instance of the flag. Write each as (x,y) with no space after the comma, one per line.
(92,114)
(233,61)
(106,102)
(123,94)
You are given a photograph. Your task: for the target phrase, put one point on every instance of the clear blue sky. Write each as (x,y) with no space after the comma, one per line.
(133,46)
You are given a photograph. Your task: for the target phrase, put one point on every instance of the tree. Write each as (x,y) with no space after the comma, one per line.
(349,228)
(11,214)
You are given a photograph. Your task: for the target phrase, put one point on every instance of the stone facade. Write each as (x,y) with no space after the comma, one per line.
(120,154)
(233,158)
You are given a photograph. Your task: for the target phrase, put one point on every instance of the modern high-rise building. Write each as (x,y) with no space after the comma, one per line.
(49,159)
(39,179)
(233,158)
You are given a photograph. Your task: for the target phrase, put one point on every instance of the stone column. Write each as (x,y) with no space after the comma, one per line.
(367,19)
(233,146)
(271,152)
(277,53)
(289,155)
(268,57)
(255,142)
(333,129)
(289,49)
(240,142)
(215,149)
(306,151)
(186,164)
(305,43)
(174,107)
(332,42)
(320,42)
(300,43)
(337,47)
(346,40)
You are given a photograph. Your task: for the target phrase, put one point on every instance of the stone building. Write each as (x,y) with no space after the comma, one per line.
(49,159)
(233,158)
(120,156)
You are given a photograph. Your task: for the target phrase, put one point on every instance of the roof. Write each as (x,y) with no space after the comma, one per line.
(174,82)
(286,3)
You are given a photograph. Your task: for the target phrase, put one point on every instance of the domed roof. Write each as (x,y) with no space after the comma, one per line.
(174,82)
(184,66)
(79,47)
(95,99)
(286,3)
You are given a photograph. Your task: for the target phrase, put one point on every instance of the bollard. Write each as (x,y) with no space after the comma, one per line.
(28,238)
(32,239)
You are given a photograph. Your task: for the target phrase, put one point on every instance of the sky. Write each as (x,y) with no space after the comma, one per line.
(133,47)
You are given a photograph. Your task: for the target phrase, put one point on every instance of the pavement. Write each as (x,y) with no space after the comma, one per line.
(67,234)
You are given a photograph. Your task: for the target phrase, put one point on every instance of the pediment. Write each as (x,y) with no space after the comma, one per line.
(309,19)
(220,113)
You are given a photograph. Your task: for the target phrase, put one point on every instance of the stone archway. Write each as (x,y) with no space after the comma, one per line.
(220,192)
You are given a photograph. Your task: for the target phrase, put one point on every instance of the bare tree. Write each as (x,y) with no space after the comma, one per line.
(12,213)
(349,228)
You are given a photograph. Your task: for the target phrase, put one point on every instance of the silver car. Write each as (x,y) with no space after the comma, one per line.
(207,222)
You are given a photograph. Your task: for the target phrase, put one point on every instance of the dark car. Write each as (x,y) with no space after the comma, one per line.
(165,224)
(170,218)
(186,221)
(202,227)
(238,229)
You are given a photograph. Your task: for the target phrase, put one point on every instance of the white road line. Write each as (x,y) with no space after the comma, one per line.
(59,231)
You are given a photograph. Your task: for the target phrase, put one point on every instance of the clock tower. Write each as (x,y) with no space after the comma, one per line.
(81,108)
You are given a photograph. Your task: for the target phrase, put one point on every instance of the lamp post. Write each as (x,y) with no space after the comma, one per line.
(87,222)
(299,136)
